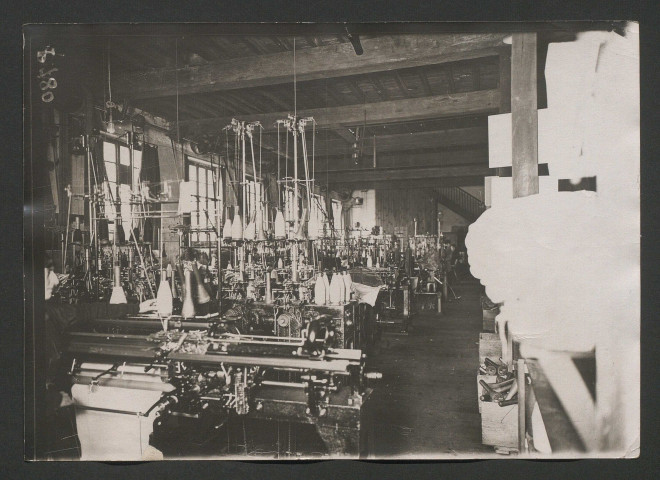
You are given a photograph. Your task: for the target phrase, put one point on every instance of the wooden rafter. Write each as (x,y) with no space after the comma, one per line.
(476,77)
(313,41)
(402,86)
(471,156)
(277,41)
(462,181)
(450,79)
(275,99)
(385,174)
(425,82)
(355,88)
(437,106)
(253,45)
(416,141)
(380,54)
(382,92)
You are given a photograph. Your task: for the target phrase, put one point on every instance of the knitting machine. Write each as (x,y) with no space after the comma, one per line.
(148,387)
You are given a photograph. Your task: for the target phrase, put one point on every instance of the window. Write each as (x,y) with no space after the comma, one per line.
(121,181)
(207,199)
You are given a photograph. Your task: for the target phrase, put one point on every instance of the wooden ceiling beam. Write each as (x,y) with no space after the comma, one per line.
(355,88)
(463,181)
(476,77)
(275,99)
(392,111)
(345,134)
(314,41)
(253,45)
(380,54)
(382,92)
(242,104)
(425,83)
(450,79)
(398,174)
(411,141)
(475,155)
(401,85)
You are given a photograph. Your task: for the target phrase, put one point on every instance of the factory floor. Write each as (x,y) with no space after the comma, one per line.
(426,403)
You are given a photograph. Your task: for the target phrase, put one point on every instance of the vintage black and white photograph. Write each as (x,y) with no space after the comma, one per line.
(329,241)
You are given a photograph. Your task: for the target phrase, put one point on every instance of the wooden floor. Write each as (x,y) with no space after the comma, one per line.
(426,403)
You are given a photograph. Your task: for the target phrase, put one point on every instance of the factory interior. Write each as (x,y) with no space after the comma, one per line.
(281,242)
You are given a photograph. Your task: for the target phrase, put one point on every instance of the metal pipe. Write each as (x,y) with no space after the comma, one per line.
(242,132)
(282,384)
(506,403)
(66,235)
(295,174)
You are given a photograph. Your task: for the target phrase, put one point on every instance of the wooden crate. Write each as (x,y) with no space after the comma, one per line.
(499,425)
(489,346)
(489,319)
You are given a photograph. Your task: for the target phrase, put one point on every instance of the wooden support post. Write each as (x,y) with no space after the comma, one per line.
(505,82)
(524,115)
(522,385)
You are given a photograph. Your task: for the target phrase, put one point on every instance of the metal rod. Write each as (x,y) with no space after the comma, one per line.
(144,267)
(295,175)
(66,236)
(242,132)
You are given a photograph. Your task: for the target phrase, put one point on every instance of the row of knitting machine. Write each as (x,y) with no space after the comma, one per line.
(267,321)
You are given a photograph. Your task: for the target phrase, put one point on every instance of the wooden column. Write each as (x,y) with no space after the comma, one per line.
(524,115)
(505,81)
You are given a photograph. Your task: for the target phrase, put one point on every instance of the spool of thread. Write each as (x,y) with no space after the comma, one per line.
(319,291)
(148,234)
(202,294)
(119,231)
(261,234)
(118,296)
(237,227)
(164,299)
(250,231)
(280,226)
(188,309)
(227,229)
(104,236)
